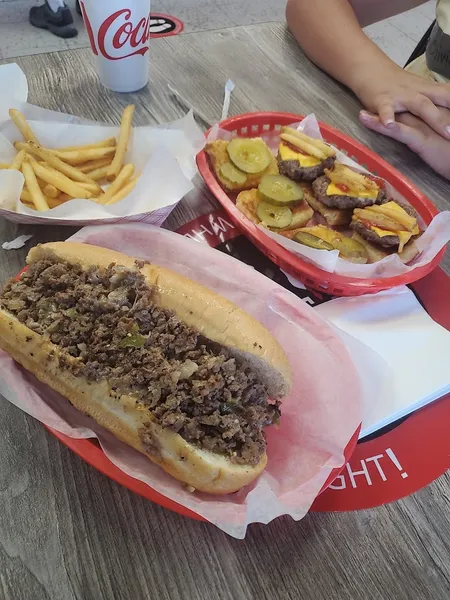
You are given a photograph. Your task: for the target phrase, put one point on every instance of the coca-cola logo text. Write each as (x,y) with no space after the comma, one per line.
(118,37)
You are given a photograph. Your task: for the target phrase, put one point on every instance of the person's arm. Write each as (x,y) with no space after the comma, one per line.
(329,33)
(331,36)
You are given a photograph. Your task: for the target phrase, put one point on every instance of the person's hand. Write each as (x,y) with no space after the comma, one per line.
(391,90)
(418,136)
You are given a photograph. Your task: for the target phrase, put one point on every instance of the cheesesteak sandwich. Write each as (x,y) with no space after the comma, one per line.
(166,365)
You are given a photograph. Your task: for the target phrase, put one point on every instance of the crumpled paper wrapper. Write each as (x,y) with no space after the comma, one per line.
(18,242)
(318,417)
(163,154)
(429,244)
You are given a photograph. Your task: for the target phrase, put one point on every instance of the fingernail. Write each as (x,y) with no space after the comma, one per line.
(447,130)
(389,122)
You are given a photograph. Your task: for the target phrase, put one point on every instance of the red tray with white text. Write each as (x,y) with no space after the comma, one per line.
(257,124)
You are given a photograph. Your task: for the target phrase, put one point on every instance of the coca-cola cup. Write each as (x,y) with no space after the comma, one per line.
(119,32)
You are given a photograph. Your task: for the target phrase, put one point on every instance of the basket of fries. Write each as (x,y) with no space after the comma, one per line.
(87,173)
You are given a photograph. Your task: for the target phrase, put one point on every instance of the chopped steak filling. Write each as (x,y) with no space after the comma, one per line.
(106,318)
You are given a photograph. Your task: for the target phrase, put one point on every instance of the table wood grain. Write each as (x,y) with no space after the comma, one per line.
(66,531)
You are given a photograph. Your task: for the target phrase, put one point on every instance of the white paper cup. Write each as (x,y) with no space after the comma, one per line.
(119,32)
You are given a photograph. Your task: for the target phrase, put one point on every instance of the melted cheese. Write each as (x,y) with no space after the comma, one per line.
(403,236)
(391,206)
(399,214)
(287,153)
(324,233)
(395,213)
(332,190)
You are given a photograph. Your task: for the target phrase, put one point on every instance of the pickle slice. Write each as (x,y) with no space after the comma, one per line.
(274,216)
(250,156)
(352,249)
(230,173)
(280,190)
(312,241)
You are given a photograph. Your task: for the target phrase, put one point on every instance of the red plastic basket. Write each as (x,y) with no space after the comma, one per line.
(256,124)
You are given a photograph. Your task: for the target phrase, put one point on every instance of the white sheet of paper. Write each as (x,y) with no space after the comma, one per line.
(416,348)
(13,82)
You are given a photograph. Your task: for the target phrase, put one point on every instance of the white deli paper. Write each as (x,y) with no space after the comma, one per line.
(416,348)
(164,155)
(318,418)
(429,244)
(13,82)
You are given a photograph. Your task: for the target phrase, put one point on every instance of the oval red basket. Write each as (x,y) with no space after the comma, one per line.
(256,124)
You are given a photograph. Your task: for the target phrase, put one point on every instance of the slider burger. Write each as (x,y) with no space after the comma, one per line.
(388,227)
(345,189)
(166,365)
(240,163)
(303,158)
(278,203)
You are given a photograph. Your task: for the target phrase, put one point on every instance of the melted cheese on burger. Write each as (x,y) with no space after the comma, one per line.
(333,190)
(287,153)
(403,236)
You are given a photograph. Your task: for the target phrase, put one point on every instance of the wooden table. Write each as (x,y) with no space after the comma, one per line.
(66,531)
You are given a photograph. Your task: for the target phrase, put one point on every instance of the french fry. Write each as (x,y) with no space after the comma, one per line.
(326,149)
(122,193)
(119,182)
(99,173)
(79,157)
(64,198)
(55,162)
(54,202)
(93,165)
(60,181)
(41,183)
(16,164)
(25,196)
(122,144)
(94,189)
(22,125)
(108,143)
(304,146)
(35,191)
(50,191)
(343,174)
(4,166)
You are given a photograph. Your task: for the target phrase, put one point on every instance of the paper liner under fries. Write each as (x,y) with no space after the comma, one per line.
(163,156)
(429,244)
(318,418)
